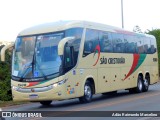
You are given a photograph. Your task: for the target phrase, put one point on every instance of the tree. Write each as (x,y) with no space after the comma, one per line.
(137,29)
(5,79)
(156,33)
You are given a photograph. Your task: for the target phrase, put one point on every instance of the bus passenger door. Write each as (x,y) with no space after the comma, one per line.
(72,84)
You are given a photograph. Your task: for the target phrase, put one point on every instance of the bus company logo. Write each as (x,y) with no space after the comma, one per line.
(97,50)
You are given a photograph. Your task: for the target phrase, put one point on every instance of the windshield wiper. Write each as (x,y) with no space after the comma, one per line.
(33,64)
(27,67)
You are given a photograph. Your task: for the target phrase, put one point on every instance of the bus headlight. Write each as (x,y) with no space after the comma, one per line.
(62,82)
(55,85)
(59,83)
(15,88)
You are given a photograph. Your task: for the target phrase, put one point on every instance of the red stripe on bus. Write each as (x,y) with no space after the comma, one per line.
(32,84)
(134,64)
(98,49)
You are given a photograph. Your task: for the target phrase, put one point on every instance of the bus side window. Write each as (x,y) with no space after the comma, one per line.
(130,44)
(118,43)
(91,41)
(106,42)
(153,47)
(140,46)
(77,33)
(88,47)
(147,45)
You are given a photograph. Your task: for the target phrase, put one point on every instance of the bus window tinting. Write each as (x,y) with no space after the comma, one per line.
(130,44)
(147,45)
(77,33)
(105,39)
(118,43)
(91,40)
(153,47)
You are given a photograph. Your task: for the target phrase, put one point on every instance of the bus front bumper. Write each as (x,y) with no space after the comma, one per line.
(52,94)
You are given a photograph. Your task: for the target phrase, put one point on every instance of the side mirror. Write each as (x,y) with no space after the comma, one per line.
(3,50)
(62,44)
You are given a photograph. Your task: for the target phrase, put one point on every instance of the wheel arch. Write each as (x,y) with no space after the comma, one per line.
(92,81)
(141,74)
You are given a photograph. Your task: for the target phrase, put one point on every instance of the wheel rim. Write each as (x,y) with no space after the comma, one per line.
(140,85)
(88,91)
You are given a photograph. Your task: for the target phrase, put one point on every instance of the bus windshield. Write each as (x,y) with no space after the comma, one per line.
(37,56)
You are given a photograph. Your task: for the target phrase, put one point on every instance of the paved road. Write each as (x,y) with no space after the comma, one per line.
(123,101)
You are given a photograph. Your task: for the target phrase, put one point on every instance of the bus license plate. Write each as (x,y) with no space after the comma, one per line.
(33,96)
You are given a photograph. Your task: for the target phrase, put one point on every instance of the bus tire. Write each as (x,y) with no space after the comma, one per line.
(46,103)
(88,93)
(139,87)
(146,83)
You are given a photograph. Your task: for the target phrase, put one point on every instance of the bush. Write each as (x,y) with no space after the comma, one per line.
(5,78)
(156,33)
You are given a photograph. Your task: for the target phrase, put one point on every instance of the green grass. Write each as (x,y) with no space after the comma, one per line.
(11,103)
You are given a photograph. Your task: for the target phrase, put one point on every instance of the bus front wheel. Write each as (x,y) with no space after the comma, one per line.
(46,103)
(88,93)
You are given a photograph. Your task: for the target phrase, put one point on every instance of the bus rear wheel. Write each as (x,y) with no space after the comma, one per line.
(146,83)
(88,93)
(139,87)
(46,103)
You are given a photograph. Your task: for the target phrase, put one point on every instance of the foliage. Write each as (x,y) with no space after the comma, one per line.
(5,79)
(137,29)
(156,33)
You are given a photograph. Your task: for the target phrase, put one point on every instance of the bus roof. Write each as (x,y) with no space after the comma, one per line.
(62,25)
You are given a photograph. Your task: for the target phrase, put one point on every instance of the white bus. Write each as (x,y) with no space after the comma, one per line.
(77,59)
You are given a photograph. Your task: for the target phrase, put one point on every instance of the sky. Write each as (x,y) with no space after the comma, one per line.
(16,15)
